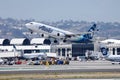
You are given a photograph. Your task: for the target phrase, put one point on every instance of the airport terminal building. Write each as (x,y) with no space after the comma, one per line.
(113,49)
(73,50)
(36,45)
(112,45)
(42,45)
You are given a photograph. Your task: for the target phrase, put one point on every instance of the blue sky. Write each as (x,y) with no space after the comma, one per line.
(54,10)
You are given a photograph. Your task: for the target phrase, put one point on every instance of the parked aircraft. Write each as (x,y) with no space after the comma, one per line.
(60,34)
(110,57)
(35,55)
(31,55)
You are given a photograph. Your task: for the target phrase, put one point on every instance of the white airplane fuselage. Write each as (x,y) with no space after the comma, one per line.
(114,58)
(59,33)
(46,29)
(34,55)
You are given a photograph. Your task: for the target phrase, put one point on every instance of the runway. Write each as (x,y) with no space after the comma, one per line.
(73,67)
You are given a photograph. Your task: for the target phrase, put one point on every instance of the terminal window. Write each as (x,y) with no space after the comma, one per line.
(118,51)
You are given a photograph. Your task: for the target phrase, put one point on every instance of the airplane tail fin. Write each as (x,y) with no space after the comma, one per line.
(104,51)
(91,30)
(14,47)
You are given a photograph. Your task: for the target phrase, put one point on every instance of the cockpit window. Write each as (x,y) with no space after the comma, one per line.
(31,23)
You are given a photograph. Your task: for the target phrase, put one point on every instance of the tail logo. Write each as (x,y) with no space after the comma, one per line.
(104,51)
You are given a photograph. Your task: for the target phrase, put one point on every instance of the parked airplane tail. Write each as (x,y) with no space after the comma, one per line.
(14,47)
(104,51)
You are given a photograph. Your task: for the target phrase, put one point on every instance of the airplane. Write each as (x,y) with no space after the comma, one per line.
(63,35)
(35,55)
(31,55)
(110,57)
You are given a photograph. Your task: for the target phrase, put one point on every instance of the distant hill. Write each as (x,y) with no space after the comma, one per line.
(12,28)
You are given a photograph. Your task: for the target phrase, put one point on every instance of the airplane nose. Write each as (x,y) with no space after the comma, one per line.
(27,24)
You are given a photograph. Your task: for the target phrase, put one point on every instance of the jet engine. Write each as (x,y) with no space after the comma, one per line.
(64,40)
(43,35)
(55,41)
(61,34)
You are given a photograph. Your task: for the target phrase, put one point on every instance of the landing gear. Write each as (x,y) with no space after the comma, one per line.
(55,41)
(113,63)
(64,40)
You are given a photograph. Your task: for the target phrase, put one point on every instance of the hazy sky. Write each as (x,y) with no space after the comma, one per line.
(54,10)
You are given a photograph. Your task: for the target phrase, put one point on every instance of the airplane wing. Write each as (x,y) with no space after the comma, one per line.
(78,34)
(67,36)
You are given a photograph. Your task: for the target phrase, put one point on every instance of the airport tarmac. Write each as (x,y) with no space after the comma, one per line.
(88,79)
(74,66)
